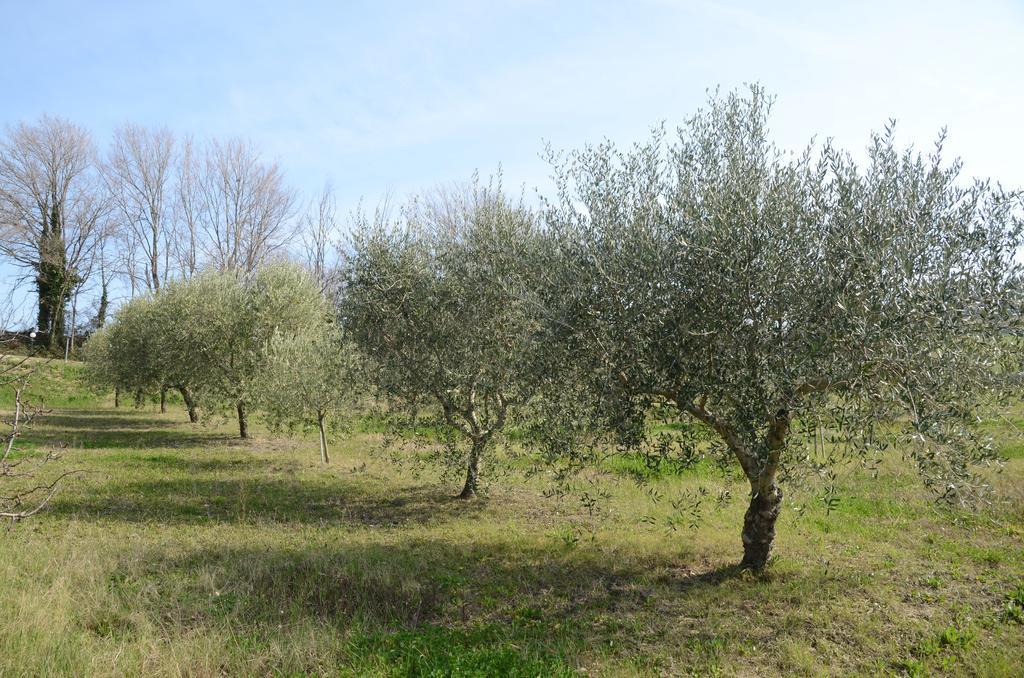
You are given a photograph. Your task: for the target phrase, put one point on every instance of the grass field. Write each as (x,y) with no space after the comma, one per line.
(183,551)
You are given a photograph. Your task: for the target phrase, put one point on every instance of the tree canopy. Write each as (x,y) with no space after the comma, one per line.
(308,377)
(208,337)
(438,303)
(768,295)
(799,308)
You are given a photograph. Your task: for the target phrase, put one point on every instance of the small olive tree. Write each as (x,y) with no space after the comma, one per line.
(100,366)
(769,295)
(219,327)
(136,352)
(438,305)
(308,378)
(207,337)
(125,354)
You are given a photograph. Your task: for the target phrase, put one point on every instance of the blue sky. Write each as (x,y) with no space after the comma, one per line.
(396,97)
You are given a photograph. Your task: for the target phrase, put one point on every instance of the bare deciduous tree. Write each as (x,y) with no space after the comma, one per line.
(22,496)
(139,174)
(188,209)
(320,228)
(22,493)
(238,206)
(52,211)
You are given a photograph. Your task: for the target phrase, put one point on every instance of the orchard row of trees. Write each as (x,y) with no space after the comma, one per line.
(152,208)
(797,308)
(267,340)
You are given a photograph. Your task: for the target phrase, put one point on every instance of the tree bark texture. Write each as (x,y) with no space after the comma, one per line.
(759,527)
(469,490)
(190,404)
(323,439)
(243,420)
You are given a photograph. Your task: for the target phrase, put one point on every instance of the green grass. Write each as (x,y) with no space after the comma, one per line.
(54,384)
(183,551)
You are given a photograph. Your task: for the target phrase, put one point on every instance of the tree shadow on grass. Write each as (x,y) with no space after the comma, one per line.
(336,499)
(425,605)
(102,430)
(170,462)
(73,420)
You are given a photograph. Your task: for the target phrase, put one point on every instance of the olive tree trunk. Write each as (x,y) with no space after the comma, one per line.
(765,496)
(761,470)
(117,396)
(190,404)
(759,525)
(138,398)
(323,437)
(163,399)
(243,420)
(469,490)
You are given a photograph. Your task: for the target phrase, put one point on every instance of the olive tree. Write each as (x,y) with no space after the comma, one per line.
(307,378)
(196,314)
(436,302)
(99,361)
(135,354)
(767,295)
(123,355)
(219,326)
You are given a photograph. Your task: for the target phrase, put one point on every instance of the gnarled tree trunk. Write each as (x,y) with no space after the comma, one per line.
(190,404)
(760,469)
(243,420)
(759,526)
(765,496)
(469,490)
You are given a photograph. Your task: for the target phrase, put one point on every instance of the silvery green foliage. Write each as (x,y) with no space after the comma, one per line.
(222,324)
(439,303)
(209,335)
(130,352)
(308,377)
(774,296)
